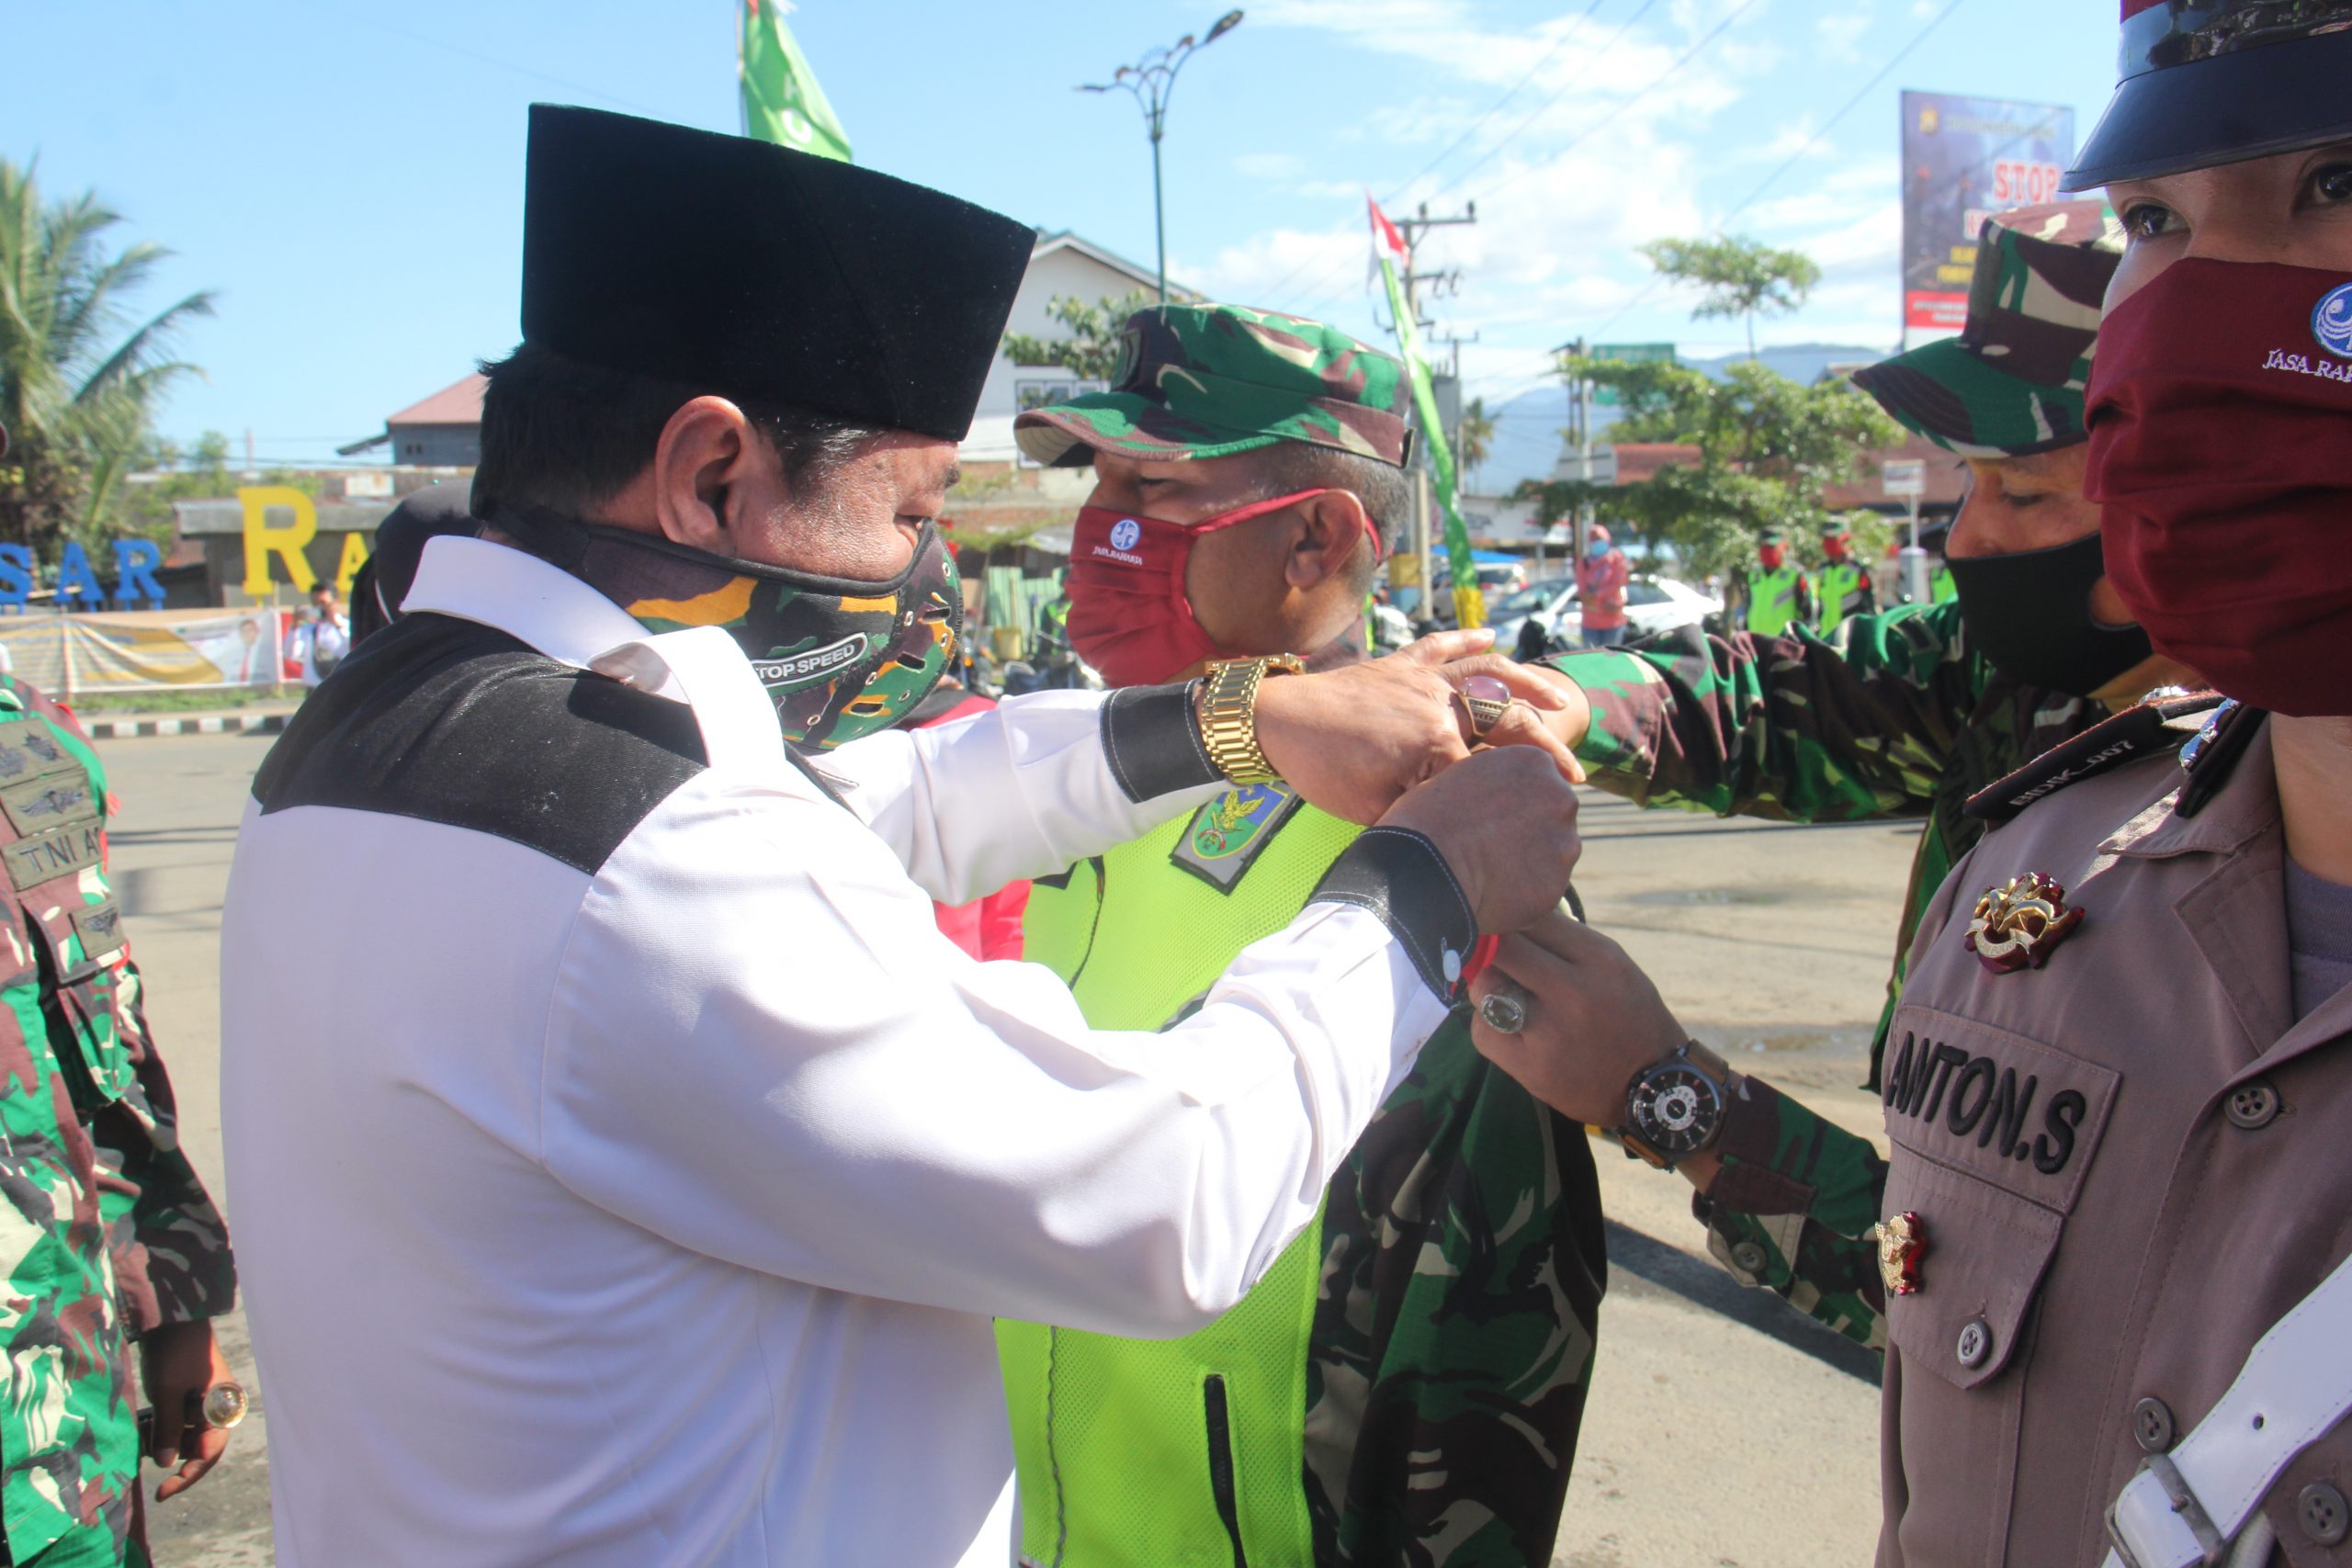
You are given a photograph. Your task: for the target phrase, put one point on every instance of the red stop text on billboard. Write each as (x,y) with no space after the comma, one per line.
(2017,183)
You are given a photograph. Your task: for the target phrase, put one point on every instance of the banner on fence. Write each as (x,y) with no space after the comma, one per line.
(145,650)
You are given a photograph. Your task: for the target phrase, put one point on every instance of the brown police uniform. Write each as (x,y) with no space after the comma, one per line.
(2126,1159)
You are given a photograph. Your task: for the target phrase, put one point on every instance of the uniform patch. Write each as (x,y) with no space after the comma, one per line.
(43,805)
(1231,832)
(27,750)
(100,928)
(31,861)
(2011,1110)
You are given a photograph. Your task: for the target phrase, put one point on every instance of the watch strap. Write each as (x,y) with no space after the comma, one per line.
(1229,715)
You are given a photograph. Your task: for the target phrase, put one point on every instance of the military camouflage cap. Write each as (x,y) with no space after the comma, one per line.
(1211,380)
(2011,383)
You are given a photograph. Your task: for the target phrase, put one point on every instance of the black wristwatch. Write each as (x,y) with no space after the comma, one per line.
(1675,1108)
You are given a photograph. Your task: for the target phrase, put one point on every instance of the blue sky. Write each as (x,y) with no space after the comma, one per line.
(348,177)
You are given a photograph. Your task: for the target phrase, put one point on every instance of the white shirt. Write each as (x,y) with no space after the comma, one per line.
(653,1212)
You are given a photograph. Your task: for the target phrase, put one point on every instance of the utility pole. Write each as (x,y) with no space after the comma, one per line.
(1440,284)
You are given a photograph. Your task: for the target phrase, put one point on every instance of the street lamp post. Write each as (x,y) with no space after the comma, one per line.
(1152,80)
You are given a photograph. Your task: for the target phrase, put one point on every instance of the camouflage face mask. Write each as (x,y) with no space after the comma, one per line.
(842,658)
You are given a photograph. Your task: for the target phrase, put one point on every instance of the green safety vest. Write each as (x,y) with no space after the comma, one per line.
(1841,582)
(1163,1453)
(1941,589)
(1772,601)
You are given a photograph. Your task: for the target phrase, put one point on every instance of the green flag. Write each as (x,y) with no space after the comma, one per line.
(782,102)
(1469,603)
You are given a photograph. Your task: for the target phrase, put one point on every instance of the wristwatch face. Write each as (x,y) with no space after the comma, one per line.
(1676,1109)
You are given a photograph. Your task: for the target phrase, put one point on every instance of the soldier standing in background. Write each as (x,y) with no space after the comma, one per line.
(110,1240)
(1398,1388)
(1919,707)
(1779,594)
(1846,588)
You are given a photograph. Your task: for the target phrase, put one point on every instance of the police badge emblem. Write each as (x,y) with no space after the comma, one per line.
(1901,1245)
(1229,833)
(2017,924)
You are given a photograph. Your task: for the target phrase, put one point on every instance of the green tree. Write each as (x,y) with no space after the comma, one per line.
(1738,279)
(1768,447)
(80,372)
(1091,349)
(1473,438)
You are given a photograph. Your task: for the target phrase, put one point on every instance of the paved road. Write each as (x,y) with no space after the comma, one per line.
(1723,1432)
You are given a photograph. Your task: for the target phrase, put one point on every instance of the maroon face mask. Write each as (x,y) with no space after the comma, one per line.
(2221,448)
(1128,614)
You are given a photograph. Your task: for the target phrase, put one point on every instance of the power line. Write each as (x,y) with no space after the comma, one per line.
(1657,282)
(1576,28)
(475,55)
(1597,126)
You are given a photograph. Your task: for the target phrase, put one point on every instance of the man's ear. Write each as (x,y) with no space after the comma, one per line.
(706,455)
(1333,527)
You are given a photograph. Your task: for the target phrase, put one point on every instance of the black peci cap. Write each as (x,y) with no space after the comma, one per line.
(2207,82)
(760,272)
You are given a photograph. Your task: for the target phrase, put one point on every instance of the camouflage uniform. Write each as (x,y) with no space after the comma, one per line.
(1456,1274)
(1895,718)
(111,1232)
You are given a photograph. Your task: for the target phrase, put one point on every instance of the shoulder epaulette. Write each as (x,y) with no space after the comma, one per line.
(2151,729)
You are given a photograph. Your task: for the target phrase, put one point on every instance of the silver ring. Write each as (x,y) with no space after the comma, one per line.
(1504,1009)
(1485,713)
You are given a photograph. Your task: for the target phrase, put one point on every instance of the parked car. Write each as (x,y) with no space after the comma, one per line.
(1545,602)
(1495,579)
(1652,604)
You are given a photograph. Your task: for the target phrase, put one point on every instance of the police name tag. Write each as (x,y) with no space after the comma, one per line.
(44,806)
(27,750)
(1227,834)
(31,861)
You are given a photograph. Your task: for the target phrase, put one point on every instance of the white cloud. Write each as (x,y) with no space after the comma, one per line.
(1270,165)
(1604,148)
(1840,33)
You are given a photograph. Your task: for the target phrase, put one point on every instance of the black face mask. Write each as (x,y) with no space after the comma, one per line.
(2031,614)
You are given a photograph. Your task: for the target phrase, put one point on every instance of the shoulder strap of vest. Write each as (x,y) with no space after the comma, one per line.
(2150,729)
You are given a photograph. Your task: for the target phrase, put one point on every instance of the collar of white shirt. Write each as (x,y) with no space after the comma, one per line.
(570,622)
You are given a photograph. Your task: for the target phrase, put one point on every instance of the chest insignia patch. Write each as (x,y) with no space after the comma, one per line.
(2017,924)
(1902,1245)
(31,861)
(1227,834)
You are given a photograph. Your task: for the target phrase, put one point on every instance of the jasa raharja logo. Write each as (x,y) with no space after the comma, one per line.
(2331,320)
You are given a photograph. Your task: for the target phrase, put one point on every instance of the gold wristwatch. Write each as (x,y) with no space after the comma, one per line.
(1229,713)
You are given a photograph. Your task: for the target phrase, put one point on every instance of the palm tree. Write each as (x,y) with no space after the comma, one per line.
(77,391)
(1473,437)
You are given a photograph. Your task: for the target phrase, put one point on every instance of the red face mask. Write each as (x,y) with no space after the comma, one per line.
(2221,448)
(1770,554)
(1128,615)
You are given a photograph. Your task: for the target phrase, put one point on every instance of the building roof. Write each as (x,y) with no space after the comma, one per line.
(458,403)
(1639,460)
(1145,277)
(1947,479)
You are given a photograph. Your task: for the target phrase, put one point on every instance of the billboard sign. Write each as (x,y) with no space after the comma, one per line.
(1631,353)
(1901,477)
(1963,160)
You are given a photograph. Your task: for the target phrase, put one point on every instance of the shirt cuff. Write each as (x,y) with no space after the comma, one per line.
(1601,674)
(1151,735)
(1755,1147)
(1400,876)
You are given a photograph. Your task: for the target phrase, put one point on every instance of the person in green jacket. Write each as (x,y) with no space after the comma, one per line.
(1780,596)
(1846,588)
(1913,711)
(1406,1384)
